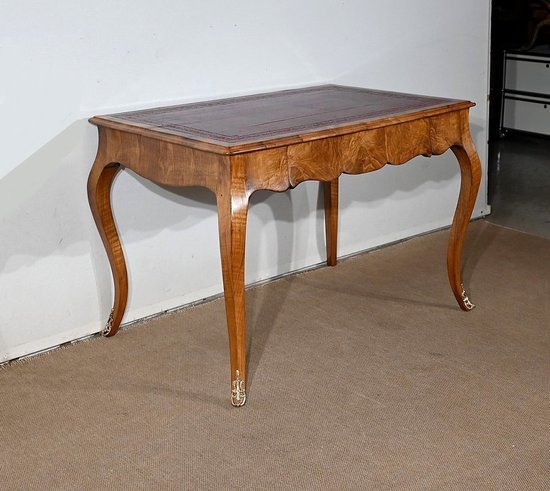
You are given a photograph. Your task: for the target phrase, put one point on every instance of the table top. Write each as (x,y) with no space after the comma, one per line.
(242,124)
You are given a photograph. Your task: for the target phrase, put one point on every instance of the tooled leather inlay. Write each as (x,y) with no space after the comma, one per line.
(279,114)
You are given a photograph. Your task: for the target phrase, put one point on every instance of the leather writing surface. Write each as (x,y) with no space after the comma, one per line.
(280,114)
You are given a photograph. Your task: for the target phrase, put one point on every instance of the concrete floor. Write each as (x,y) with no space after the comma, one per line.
(519,183)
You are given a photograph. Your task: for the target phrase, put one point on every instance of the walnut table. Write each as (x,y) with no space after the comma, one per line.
(275,141)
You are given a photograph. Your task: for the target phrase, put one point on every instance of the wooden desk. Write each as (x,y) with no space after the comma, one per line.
(275,141)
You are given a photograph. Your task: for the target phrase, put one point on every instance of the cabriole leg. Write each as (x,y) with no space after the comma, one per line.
(330,189)
(232,215)
(470,172)
(99,196)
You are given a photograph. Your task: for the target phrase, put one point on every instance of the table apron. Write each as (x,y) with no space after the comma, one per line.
(281,168)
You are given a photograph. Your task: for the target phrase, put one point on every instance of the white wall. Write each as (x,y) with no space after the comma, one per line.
(63,61)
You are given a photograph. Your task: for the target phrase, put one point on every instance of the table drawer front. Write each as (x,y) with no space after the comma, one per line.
(527,115)
(528,76)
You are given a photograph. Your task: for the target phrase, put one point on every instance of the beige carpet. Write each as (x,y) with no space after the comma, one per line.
(364,376)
